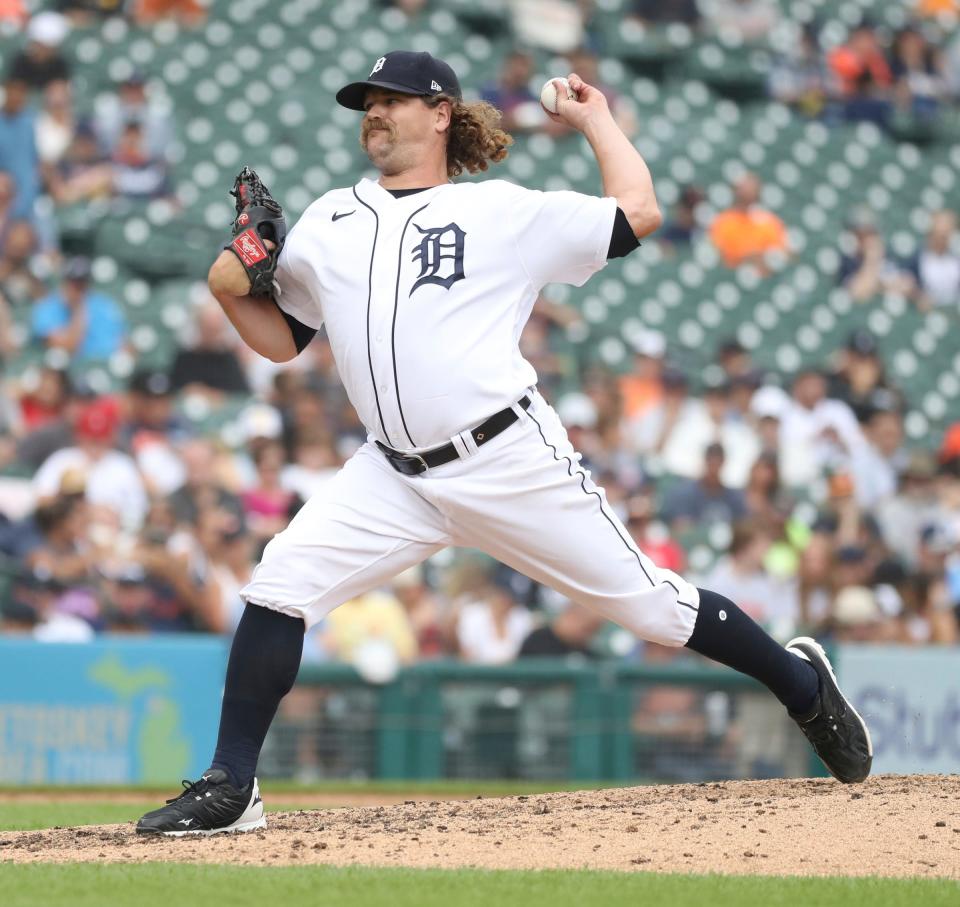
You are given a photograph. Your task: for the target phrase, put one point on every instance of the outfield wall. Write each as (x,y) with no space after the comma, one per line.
(145,711)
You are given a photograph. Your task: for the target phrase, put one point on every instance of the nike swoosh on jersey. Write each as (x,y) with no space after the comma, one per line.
(337,215)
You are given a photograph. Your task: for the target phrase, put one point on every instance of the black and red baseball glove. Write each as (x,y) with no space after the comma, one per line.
(259,219)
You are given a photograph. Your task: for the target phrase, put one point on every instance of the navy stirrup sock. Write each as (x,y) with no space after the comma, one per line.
(264,660)
(725,634)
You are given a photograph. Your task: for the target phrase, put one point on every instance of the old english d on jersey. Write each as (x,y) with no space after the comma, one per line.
(424,296)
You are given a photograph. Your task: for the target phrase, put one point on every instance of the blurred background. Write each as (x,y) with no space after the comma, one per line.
(768,389)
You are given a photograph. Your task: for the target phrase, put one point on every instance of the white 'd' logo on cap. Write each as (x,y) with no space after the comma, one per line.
(377,66)
(435,87)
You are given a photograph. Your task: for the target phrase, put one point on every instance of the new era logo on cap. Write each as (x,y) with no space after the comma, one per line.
(404,72)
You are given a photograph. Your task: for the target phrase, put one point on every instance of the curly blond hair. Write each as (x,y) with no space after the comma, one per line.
(475,137)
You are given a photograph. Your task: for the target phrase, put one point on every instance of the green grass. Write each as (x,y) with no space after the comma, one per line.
(159,885)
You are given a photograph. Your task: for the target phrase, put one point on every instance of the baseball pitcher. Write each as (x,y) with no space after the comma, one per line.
(424,285)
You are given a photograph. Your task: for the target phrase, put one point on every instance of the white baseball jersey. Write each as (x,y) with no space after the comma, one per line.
(424,296)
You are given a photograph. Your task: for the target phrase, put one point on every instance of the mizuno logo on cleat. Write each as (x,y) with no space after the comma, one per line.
(185,822)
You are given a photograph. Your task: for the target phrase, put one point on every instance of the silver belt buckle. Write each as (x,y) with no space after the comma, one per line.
(423,462)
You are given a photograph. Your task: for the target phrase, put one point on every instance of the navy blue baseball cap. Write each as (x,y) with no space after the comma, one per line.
(406,72)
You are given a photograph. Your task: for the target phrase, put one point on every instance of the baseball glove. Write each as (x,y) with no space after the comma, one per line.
(259,218)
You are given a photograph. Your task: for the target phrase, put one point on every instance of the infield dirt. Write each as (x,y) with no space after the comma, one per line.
(889,826)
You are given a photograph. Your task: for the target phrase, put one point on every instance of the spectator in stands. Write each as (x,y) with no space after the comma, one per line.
(83,173)
(18,243)
(13,13)
(424,611)
(767,501)
(209,365)
(860,378)
(203,488)
(815,431)
(903,516)
(650,428)
(856,616)
(490,627)
(869,271)
(919,76)
(371,626)
(110,477)
(315,462)
(228,551)
(132,104)
(155,588)
(707,420)
(936,267)
(56,124)
(580,417)
(553,25)
(747,233)
(571,632)
(86,12)
(705,500)
(875,463)
(665,12)
(511,95)
(190,13)
(652,535)
(136,173)
(770,601)
(950,447)
(678,232)
(44,399)
(641,389)
(801,77)
(928,617)
(947,9)
(36,598)
(154,431)
(65,554)
(85,323)
(18,148)
(267,504)
(748,21)
(41,62)
(863,76)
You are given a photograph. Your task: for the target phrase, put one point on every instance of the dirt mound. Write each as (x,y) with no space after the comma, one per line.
(889,826)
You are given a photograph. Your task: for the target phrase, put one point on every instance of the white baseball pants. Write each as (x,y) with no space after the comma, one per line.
(522,498)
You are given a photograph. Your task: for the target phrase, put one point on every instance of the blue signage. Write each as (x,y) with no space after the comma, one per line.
(910,700)
(113,711)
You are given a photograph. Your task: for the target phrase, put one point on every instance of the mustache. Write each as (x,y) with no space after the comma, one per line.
(370,125)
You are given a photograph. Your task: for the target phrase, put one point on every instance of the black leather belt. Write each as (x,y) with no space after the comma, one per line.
(414,464)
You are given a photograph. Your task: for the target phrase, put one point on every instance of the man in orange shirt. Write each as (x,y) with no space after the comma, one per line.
(745,233)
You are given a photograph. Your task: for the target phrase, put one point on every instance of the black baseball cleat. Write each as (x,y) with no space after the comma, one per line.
(835,730)
(207,807)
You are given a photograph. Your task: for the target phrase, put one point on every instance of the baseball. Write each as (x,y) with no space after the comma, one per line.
(548,94)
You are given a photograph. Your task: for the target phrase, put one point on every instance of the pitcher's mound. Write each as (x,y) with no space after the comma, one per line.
(889,826)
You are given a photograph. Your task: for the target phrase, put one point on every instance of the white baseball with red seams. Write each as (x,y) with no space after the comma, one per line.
(549,93)
(424,298)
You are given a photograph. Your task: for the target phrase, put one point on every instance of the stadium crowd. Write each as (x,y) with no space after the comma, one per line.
(118,516)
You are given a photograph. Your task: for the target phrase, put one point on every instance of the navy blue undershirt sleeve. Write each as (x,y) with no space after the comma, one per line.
(302,333)
(623,240)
